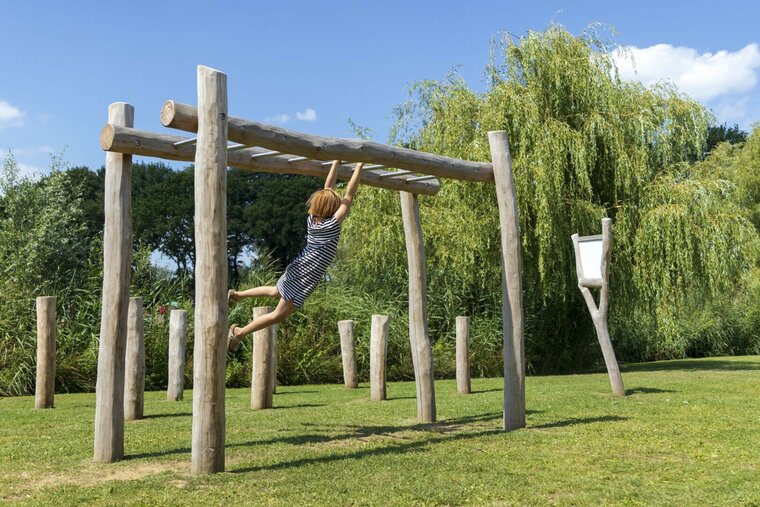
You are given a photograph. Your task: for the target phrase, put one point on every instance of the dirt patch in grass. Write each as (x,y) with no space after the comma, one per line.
(91,474)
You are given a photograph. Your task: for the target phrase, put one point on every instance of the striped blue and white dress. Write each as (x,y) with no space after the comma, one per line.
(305,271)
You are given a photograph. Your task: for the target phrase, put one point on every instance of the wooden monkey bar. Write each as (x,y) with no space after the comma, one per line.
(251,133)
(139,142)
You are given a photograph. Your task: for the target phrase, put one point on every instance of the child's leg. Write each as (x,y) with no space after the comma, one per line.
(283,310)
(266,291)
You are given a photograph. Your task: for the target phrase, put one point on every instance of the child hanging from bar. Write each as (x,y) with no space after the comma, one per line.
(326,214)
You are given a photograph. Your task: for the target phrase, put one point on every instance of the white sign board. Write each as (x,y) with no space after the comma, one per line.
(591,257)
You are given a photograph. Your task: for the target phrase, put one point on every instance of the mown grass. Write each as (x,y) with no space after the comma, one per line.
(687,434)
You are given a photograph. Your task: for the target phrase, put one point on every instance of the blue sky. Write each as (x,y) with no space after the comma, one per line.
(311,65)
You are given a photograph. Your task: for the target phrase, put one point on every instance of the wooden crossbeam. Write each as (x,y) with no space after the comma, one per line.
(138,142)
(185,117)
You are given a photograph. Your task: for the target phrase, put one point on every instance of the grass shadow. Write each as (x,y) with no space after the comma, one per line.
(723,364)
(161,416)
(300,405)
(647,390)
(574,421)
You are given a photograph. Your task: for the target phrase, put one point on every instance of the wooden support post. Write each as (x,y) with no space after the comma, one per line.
(117,258)
(599,315)
(511,268)
(273,360)
(46,324)
(177,339)
(348,352)
(418,326)
(463,355)
(378,350)
(261,358)
(210,346)
(134,363)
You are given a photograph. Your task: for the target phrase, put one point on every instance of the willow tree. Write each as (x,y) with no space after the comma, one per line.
(585,145)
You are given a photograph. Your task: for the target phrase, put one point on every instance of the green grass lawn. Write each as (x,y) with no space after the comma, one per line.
(688,433)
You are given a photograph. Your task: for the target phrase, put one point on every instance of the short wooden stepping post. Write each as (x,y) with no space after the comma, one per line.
(117,259)
(463,355)
(377,356)
(348,352)
(274,358)
(261,358)
(419,337)
(512,313)
(177,339)
(210,344)
(45,382)
(592,264)
(134,365)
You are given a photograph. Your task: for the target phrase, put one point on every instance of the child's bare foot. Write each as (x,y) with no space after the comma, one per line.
(232,341)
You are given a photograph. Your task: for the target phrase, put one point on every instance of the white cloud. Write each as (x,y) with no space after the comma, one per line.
(10,115)
(703,76)
(29,171)
(307,114)
(280,118)
(732,111)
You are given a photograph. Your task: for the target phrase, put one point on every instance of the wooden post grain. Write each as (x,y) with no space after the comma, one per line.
(46,325)
(210,345)
(117,257)
(378,350)
(348,353)
(177,339)
(418,326)
(511,268)
(261,359)
(599,315)
(274,358)
(134,363)
(463,355)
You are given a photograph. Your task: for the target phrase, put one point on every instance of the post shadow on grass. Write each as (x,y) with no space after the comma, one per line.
(446,426)
(406,446)
(575,421)
(648,390)
(300,405)
(280,393)
(161,416)
(693,365)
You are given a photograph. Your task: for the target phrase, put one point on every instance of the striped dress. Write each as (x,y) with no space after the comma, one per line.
(305,271)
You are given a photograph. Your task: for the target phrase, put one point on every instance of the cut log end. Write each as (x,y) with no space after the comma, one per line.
(167,113)
(106,137)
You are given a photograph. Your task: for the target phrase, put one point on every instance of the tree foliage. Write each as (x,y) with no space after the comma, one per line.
(584,145)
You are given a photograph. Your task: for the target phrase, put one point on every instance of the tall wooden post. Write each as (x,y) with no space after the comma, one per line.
(177,339)
(418,326)
(45,382)
(117,257)
(463,355)
(599,315)
(348,353)
(378,350)
(261,359)
(134,365)
(274,358)
(511,269)
(210,345)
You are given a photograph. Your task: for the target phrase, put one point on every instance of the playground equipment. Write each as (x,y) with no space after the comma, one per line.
(266,148)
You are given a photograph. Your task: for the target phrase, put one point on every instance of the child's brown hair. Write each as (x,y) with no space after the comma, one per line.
(323,203)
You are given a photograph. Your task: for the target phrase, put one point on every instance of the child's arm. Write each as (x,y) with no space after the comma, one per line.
(348,199)
(332,176)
